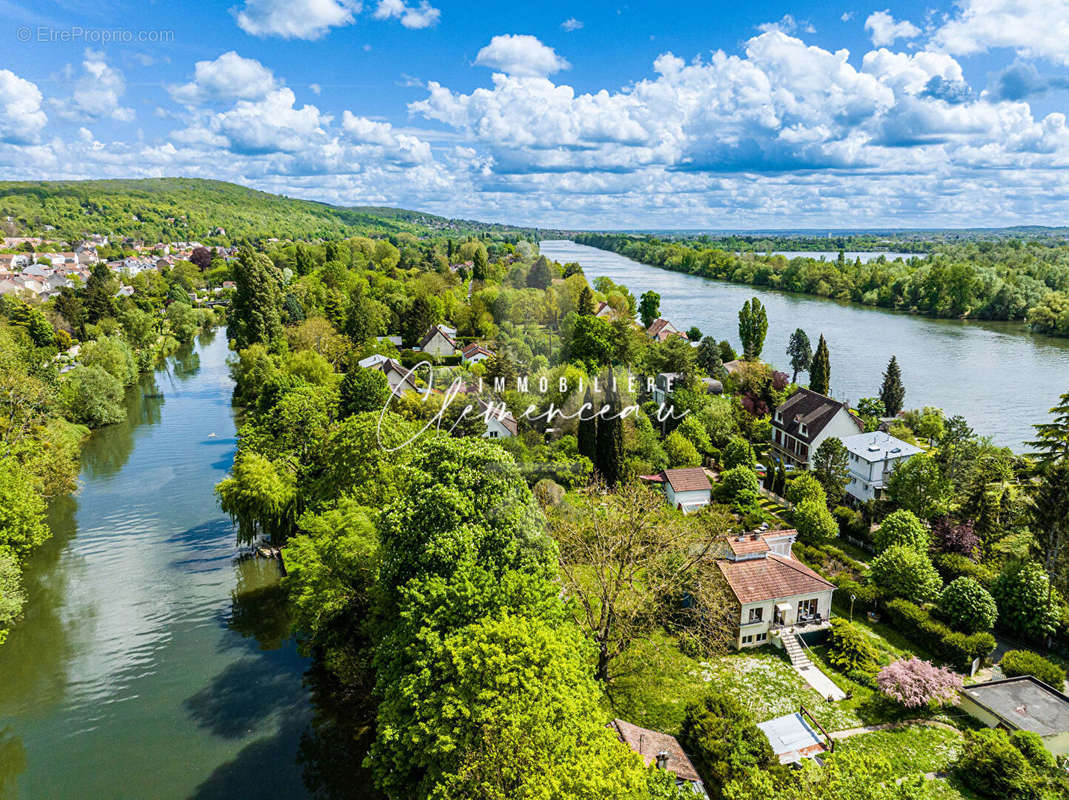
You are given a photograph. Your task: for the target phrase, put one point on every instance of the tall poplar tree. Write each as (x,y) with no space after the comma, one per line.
(820,371)
(254,313)
(609,454)
(587,431)
(892,393)
(801,353)
(753,326)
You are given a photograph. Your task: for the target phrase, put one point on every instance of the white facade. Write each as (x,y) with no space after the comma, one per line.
(873,457)
(757,618)
(688,501)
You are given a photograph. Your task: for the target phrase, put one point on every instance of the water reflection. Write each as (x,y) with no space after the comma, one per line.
(12,762)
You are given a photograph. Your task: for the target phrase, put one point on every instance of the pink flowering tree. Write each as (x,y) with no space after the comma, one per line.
(915,683)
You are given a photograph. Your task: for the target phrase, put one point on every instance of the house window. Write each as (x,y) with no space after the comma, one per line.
(747,640)
(761,637)
(807,608)
(491,434)
(756,614)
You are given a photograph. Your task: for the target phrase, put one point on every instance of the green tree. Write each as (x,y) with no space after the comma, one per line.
(753,326)
(92,397)
(71,307)
(737,452)
(814,522)
(967,605)
(892,392)
(363,390)
(906,572)
(831,466)
(649,307)
(585,304)
(845,776)
(851,651)
(541,274)
(991,766)
(805,487)
(1027,606)
(12,598)
(1052,438)
(22,512)
(255,308)
(480,270)
(709,358)
(800,352)
(681,451)
(100,289)
(466,503)
(918,485)
(609,445)
(901,528)
(820,369)
(260,496)
(591,342)
(184,321)
(723,741)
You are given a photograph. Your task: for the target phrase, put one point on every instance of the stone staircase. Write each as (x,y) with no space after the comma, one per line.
(795,651)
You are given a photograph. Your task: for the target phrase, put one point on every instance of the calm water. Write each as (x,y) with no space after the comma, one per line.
(997,375)
(151,663)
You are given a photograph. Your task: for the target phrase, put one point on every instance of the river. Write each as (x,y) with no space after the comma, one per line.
(153,663)
(997,375)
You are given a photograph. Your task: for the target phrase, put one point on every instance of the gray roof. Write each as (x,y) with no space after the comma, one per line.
(878,445)
(1024,703)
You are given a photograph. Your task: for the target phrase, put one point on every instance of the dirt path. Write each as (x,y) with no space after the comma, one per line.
(846,733)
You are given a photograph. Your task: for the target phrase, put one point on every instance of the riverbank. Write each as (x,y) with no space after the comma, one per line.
(998,376)
(151,662)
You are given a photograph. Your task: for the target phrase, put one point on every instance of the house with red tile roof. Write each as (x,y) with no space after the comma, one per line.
(686,489)
(773,589)
(663,751)
(474,353)
(661,330)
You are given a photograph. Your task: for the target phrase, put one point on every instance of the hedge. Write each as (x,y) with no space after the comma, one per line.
(955,565)
(951,647)
(1025,662)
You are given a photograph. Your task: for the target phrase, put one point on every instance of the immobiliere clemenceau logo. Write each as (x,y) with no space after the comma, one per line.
(599,398)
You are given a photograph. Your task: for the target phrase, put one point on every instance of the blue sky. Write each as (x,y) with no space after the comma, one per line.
(683,114)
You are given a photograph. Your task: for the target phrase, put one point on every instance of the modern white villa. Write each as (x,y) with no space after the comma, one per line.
(804,420)
(873,457)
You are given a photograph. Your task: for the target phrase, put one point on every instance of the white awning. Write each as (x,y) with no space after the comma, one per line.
(784,607)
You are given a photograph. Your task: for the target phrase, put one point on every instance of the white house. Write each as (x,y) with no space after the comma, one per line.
(804,420)
(437,341)
(662,330)
(500,424)
(686,489)
(873,457)
(773,589)
(474,353)
(604,311)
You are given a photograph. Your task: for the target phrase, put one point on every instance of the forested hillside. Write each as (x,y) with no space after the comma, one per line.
(183,209)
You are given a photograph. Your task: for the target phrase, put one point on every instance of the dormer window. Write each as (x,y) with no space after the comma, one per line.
(779,416)
(801,429)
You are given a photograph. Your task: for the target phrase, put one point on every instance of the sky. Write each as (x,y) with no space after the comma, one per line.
(680,114)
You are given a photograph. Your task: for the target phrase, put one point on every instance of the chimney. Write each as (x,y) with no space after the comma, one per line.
(755,536)
(662,760)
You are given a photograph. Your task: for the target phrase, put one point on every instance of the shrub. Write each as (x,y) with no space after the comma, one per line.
(735,482)
(865,594)
(955,537)
(1032,748)
(737,453)
(903,571)
(1026,606)
(968,606)
(851,523)
(951,647)
(723,741)
(814,521)
(851,652)
(955,565)
(991,766)
(681,452)
(1025,662)
(805,487)
(901,528)
(92,396)
(548,492)
(915,683)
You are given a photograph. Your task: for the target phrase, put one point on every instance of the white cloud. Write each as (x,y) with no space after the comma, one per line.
(521,55)
(571,24)
(96,93)
(22,119)
(1034,28)
(415,17)
(846,16)
(788,24)
(885,31)
(295,19)
(271,124)
(227,78)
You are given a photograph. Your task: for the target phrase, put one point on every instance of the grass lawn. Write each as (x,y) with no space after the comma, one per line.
(910,750)
(661,681)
